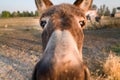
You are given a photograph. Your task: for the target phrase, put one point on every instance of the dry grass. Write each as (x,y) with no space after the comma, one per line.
(104,23)
(20,49)
(20,21)
(112,67)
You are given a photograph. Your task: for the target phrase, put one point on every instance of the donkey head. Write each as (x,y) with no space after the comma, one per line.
(62,39)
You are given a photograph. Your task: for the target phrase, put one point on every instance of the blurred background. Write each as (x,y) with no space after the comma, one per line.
(100,9)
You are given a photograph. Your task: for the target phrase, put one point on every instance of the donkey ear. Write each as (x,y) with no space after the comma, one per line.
(43,4)
(83,4)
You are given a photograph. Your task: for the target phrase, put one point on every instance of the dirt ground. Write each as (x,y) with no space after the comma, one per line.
(20,50)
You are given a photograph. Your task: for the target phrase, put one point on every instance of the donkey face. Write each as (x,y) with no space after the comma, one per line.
(62,40)
(63,18)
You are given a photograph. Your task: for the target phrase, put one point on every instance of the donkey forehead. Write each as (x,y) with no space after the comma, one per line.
(63,9)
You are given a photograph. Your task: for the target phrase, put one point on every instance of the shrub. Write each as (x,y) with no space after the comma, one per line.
(111,67)
(5,14)
(116,48)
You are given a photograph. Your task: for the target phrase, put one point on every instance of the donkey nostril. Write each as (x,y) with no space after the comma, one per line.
(43,23)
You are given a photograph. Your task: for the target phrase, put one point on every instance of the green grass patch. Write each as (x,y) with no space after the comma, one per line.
(116,48)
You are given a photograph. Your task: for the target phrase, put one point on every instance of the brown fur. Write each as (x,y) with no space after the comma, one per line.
(62,17)
(41,3)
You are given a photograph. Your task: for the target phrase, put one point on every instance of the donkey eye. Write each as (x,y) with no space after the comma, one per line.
(43,23)
(82,23)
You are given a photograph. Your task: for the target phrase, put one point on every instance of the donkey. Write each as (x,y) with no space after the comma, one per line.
(62,40)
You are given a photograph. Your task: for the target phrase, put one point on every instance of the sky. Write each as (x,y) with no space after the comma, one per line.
(29,5)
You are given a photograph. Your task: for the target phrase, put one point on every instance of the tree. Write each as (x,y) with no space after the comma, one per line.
(113,10)
(0,15)
(103,11)
(31,14)
(6,14)
(118,8)
(18,12)
(94,6)
(37,13)
(107,12)
(25,14)
(14,14)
